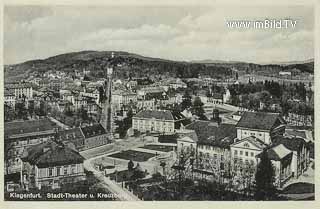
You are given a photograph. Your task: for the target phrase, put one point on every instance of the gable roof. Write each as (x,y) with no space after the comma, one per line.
(210,133)
(157,114)
(259,120)
(291,143)
(254,141)
(50,154)
(27,127)
(93,130)
(278,153)
(186,139)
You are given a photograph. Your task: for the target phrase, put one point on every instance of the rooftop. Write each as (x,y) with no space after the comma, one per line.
(29,126)
(159,114)
(210,133)
(93,130)
(260,120)
(51,154)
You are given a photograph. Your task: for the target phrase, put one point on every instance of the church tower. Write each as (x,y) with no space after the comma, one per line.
(106,121)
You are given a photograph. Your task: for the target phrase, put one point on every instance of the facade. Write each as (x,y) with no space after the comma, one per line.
(9,99)
(186,144)
(21,135)
(51,165)
(264,126)
(213,145)
(281,159)
(122,98)
(94,136)
(300,153)
(84,138)
(244,154)
(21,90)
(156,121)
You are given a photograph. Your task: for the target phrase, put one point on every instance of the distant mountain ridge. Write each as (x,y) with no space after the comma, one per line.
(139,65)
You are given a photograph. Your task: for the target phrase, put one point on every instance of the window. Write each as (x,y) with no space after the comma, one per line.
(58,171)
(65,170)
(73,168)
(236,152)
(241,152)
(50,171)
(252,154)
(247,154)
(252,134)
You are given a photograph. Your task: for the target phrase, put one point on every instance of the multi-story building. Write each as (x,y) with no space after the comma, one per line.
(21,89)
(157,121)
(281,159)
(20,135)
(264,126)
(9,98)
(213,145)
(87,137)
(121,98)
(300,153)
(94,136)
(92,93)
(244,154)
(51,165)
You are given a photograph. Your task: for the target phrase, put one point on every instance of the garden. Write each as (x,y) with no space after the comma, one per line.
(161,148)
(133,155)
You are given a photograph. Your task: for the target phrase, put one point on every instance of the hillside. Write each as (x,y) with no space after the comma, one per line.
(134,65)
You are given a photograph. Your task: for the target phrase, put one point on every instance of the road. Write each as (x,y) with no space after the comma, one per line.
(110,185)
(62,125)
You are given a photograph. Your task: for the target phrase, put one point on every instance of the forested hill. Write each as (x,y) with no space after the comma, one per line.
(134,65)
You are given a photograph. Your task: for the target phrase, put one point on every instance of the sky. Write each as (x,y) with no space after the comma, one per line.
(175,32)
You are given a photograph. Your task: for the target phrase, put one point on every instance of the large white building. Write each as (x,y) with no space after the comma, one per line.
(261,125)
(156,121)
(21,90)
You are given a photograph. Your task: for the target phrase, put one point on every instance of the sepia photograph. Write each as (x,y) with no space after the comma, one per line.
(159,103)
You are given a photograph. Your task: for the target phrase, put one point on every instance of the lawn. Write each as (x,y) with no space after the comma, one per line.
(161,148)
(133,155)
(299,188)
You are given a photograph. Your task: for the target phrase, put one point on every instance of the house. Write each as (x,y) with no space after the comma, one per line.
(285,73)
(150,92)
(9,98)
(244,155)
(51,165)
(74,136)
(94,136)
(20,89)
(84,138)
(157,121)
(146,104)
(264,126)
(237,115)
(301,153)
(122,98)
(213,145)
(92,93)
(186,145)
(19,135)
(281,159)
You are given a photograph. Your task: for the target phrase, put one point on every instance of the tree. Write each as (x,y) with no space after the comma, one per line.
(264,178)
(130,165)
(22,112)
(197,109)
(186,101)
